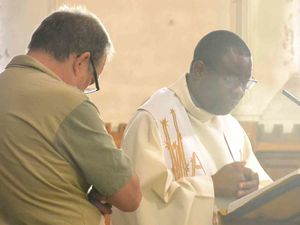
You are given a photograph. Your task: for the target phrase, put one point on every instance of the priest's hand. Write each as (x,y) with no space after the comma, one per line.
(250,184)
(235,180)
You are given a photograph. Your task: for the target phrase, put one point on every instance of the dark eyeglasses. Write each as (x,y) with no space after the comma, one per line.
(233,81)
(90,90)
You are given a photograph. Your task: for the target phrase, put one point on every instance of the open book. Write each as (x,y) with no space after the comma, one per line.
(279,201)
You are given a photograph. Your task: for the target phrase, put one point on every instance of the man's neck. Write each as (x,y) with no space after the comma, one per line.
(61,69)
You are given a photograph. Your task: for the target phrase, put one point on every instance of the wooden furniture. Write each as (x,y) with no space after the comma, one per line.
(259,222)
(277,151)
(116,134)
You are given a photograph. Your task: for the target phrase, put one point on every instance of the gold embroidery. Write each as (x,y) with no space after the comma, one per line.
(195,165)
(180,167)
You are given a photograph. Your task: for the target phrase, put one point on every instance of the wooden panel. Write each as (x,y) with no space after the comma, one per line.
(278,164)
(259,222)
(277,151)
(251,130)
(116,134)
(277,147)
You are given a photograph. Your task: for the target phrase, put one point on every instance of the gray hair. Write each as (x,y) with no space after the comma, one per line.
(72,30)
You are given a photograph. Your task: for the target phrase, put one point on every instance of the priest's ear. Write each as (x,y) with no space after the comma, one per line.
(197,67)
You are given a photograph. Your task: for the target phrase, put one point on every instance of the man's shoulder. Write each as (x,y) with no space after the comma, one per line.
(162,98)
(231,121)
(230,117)
(68,93)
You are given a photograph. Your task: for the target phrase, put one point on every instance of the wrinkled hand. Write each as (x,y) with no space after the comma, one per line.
(235,180)
(99,201)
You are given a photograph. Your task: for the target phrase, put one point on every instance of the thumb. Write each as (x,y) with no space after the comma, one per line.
(237,165)
(241,164)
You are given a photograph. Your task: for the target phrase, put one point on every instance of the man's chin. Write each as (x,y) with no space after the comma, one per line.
(220,111)
(223,111)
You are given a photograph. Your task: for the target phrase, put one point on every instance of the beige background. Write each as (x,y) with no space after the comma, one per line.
(154,42)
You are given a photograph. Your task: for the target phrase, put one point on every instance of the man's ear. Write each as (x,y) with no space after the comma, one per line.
(198,67)
(81,63)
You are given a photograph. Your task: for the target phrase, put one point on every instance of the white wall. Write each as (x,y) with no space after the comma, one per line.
(270,35)
(154,43)
(18,19)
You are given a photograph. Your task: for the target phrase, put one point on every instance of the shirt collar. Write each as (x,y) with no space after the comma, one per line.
(181,89)
(27,61)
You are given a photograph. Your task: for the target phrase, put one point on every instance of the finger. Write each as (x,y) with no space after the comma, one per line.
(242,163)
(249,174)
(104,208)
(242,193)
(245,185)
(107,219)
(239,164)
(216,220)
(255,176)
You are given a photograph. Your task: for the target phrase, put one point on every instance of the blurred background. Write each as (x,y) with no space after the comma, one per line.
(154,42)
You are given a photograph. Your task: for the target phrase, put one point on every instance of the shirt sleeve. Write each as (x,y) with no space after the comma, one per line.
(83,140)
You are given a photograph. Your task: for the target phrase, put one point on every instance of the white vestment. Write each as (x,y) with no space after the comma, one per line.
(175,148)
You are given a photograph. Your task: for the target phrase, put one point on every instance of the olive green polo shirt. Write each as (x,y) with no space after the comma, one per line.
(53,146)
